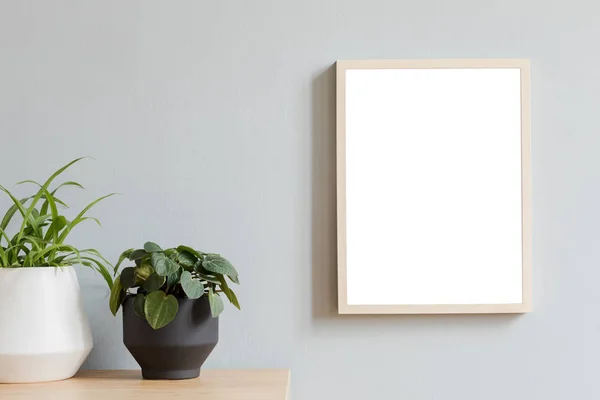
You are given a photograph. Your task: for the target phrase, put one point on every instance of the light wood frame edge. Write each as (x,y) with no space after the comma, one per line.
(527,285)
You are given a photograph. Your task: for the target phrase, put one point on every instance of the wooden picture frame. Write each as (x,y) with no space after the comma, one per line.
(346,307)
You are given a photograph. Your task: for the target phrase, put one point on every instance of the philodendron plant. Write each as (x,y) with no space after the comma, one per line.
(41,239)
(159,277)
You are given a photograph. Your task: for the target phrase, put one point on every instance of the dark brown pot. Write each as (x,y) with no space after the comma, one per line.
(176,351)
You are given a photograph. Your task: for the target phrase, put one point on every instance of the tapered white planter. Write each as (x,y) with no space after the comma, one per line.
(44,332)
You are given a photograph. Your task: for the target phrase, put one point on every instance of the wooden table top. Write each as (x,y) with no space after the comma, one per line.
(252,384)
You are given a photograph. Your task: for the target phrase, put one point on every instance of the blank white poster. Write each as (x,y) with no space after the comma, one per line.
(433,186)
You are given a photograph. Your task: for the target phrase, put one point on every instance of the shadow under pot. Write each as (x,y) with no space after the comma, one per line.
(177,350)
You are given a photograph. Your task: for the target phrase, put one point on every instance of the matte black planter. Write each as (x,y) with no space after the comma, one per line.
(176,351)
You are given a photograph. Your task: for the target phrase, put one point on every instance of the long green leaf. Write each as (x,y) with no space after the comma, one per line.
(16,203)
(68,183)
(96,220)
(16,260)
(99,266)
(91,262)
(57,247)
(44,208)
(56,226)
(29,181)
(117,295)
(122,258)
(233,299)
(45,204)
(35,242)
(11,212)
(12,256)
(3,257)
(53,231)
(18,246)
(228,292)
(13,209)
(42,218)
(95,253)
(4,235)
(41,192)
(80,218)
(102,270)
(59,201)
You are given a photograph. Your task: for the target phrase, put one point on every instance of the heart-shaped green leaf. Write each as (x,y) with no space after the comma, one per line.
(172,266)
(128,277)
(138,305)
(152,247)
(117,295)
(144,270)
(158,261)
(137,254)
(160,309)
(173,278)
(192,287)
(163,265)
(220,265)
(186,259)
(196,253)
(153,283)
(216,304)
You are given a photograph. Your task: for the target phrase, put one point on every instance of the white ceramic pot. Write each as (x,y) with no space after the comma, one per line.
(44,332)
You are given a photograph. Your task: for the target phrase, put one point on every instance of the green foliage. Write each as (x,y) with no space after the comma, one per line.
(192,287)
(117,295)
(163,265)
(217,264)
(216,304)
(159,277)
(128,277)
(138,305)
(160,308)
(40,240)
(153,283)
(151,247)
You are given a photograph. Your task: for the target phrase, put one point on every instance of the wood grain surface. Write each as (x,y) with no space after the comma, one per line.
(116,385)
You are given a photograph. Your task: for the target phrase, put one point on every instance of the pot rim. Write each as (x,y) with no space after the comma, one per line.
(132,296)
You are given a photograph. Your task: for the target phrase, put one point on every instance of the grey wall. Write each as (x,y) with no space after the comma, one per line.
(215,120)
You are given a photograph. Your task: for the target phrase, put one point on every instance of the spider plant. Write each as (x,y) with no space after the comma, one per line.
(41,239)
